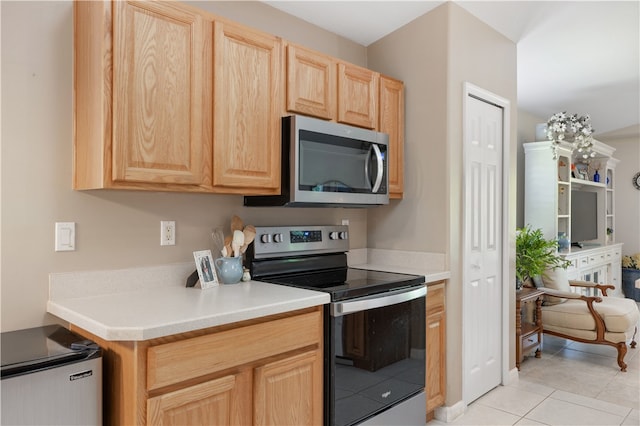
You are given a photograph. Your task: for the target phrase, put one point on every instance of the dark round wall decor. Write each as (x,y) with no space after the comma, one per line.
(636,180)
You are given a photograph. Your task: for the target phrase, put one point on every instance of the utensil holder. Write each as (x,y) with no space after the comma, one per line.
(229,269)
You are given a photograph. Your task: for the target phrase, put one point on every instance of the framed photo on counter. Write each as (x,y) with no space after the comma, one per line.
(204,265)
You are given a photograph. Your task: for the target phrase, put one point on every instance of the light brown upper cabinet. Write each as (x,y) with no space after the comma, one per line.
(247,108)
(141,94)
(168,97)
(391,121)
(311,83)
(325,87)
(357,96)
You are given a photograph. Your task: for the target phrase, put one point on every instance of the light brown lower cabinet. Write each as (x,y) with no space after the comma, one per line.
(259,372)
(216,402)
(436,343)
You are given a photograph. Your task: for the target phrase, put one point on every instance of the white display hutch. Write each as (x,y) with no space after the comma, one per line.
(547,206)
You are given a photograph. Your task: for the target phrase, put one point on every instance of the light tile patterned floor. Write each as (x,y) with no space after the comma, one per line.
(572,384)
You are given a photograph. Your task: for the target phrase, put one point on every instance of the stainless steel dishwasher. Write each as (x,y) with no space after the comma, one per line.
(50,376)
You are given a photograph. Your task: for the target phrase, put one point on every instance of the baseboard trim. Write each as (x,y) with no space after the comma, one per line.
(448,414)
(512,377)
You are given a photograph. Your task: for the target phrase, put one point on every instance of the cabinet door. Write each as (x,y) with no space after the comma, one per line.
(311,83)
(223,401)
(289,391)
(357,96)
(436,343)
(246,153)
(160,92)
(392,122)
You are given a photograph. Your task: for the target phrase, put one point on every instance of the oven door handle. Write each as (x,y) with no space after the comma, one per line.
(377,301)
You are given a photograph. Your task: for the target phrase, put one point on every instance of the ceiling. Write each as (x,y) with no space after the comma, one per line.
(576,56)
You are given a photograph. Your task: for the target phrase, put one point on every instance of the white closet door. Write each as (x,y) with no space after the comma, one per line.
(482,292)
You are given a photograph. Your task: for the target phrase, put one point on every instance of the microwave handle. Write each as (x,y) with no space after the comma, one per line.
(378,182)
(377,301)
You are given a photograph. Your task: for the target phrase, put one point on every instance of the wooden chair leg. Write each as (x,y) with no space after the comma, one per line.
(622,351)
(633,339)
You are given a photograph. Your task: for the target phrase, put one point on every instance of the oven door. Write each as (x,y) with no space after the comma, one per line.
(375,355)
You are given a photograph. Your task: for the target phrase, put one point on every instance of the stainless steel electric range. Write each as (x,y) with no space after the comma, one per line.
(374,362)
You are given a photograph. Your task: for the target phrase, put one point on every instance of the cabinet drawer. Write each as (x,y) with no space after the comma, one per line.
(596,259)
(529,342)
(616,254)
(190,358)
(583,261)
(573,265)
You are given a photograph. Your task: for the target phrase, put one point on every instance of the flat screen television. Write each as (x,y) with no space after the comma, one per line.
(584,216)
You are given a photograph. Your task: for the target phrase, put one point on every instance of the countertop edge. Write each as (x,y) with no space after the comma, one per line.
(143,332)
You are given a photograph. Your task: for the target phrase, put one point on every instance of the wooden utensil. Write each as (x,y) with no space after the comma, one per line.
(237,242)
(227,250)
(236,224)
(249,235)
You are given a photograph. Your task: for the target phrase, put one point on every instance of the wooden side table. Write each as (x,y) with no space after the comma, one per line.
(528,335)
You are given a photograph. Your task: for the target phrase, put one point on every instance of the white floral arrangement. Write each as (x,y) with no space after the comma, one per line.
(574,129)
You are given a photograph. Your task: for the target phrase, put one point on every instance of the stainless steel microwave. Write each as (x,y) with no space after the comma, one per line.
(327,164)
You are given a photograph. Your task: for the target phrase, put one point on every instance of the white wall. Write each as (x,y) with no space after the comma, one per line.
(115,229)
(526,133)
(627,197)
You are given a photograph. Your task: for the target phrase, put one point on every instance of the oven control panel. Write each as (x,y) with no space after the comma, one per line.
(272,241)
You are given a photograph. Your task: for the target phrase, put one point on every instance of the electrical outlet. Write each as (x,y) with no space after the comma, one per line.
(167,233)
(345,222)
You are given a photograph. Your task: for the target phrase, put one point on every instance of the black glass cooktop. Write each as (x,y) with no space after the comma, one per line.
(346,283)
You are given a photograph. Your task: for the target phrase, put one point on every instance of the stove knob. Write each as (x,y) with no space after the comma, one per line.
(277,238)
(344,235)
(265,238)
(333,235)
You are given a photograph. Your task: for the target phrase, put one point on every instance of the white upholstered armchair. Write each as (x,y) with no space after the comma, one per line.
(600,320)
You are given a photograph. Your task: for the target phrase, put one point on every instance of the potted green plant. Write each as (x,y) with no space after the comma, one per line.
(534,254)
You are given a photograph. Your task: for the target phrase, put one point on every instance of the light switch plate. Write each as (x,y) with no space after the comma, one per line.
(65,236)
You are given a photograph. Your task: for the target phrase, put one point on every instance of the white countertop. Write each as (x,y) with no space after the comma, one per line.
(431,265)
(123,309)
(149,302)
(430,275)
